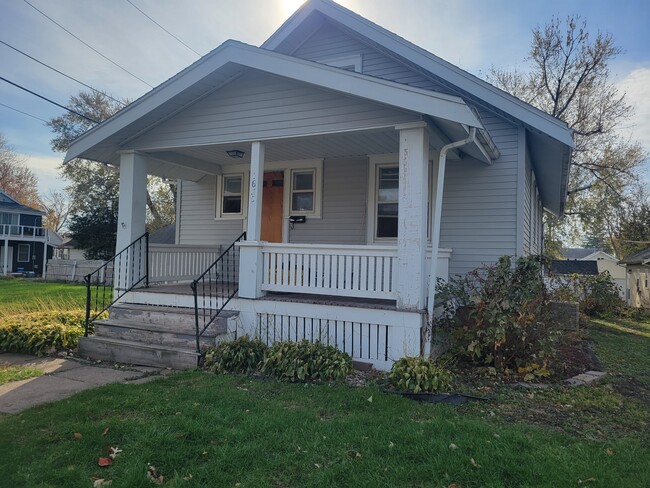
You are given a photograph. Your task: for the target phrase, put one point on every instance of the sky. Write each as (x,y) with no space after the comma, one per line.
(472,34)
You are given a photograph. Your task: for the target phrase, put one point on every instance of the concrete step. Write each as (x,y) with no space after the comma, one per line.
(177,318)
(162,334)
(130,352)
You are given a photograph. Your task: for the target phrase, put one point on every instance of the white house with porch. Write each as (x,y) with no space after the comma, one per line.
(326,180)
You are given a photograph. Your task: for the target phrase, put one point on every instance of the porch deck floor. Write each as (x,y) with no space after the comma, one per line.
(184,289)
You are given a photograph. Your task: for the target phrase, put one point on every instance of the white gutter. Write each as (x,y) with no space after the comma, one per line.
(436,216)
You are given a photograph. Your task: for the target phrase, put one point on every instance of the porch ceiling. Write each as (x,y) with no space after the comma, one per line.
(192,163)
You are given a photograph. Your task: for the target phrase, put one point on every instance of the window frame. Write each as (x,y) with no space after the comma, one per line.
(220,194)
(293,190)
(389,160)
(29,250)
(354,61)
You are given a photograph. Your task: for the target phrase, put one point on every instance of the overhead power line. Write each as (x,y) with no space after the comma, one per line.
(86,44)
(48,100)
(61,72)
(24,113)
(152,20)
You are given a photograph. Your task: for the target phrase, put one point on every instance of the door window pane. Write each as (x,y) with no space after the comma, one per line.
(23,253)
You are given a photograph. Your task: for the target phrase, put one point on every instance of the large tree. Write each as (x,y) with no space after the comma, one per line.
(16,179)
(94,187)
(56,205)
(567,76)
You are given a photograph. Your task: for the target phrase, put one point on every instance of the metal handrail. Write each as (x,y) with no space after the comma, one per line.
(218,284)
(122,268)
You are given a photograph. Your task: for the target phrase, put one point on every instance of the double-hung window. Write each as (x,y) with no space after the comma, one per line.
(230,196)
(303,191)
(23,253)
(387,202)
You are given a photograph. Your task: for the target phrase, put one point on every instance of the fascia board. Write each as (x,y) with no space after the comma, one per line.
(465,81)
(362,86)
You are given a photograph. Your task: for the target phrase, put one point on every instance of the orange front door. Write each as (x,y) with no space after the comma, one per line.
(272,197)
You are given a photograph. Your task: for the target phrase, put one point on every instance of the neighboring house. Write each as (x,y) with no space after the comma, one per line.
(571,267)
(638,277)
(25,245)
(606,262)
(69,250)
(330,147)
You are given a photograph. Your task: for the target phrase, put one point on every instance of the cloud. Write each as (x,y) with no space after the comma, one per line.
(637,92)
(46,170)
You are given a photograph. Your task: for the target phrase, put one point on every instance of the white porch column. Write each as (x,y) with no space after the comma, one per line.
(131,216)
(412,216)
(250,252)
(6,258)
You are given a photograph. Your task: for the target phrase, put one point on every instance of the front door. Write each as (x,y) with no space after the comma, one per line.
(272,198)
(10,259)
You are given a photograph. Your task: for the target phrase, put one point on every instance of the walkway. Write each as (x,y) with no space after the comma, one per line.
(63,378)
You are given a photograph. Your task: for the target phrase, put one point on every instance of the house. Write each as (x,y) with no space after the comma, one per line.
(638,274)
(605,261)
(69,250)
(341,169)
(572,266)
(25,245)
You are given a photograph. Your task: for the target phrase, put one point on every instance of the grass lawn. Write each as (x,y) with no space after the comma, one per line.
(617,407)
(234,431)
(16,373)
(20,295)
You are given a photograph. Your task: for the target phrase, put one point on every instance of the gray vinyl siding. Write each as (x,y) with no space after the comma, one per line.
(330,41)
(345,188)
(197,223)
(257,106)
(479,207)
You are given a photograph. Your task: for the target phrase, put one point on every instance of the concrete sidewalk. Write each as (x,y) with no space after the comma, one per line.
(63,378)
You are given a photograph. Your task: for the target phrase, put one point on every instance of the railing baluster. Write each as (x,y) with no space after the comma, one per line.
(220,290)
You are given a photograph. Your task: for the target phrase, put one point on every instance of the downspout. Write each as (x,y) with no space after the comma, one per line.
(435,229)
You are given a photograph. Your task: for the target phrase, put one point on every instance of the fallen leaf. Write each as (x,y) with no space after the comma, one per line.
(99,482)
(104,461)
(453,446)
(610,452)
(154,476)
(454,485)
(474,463)
(77,435)
(370,399)
(317,465)
(188,477)
(114,452)
(391,445)
(354,454)
(497,436)
(588,480)
(105,431)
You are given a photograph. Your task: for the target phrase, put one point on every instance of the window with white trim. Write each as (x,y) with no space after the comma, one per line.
(23,253)
(386,201)
(303,192)
(9,218)
(231,196)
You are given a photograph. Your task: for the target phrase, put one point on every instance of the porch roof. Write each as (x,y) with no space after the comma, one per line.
(450,115)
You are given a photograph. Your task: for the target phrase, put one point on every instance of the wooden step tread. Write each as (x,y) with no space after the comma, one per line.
(214,330)
(156,308)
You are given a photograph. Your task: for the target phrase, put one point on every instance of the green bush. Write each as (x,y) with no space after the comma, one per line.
(497,315)
(596,295)
(304,361)
(242,355)
(418,374)
(41,332)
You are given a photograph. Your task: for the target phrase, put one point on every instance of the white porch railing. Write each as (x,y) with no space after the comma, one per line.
(23,231)
(353,271)
(338,270)
(168,262)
